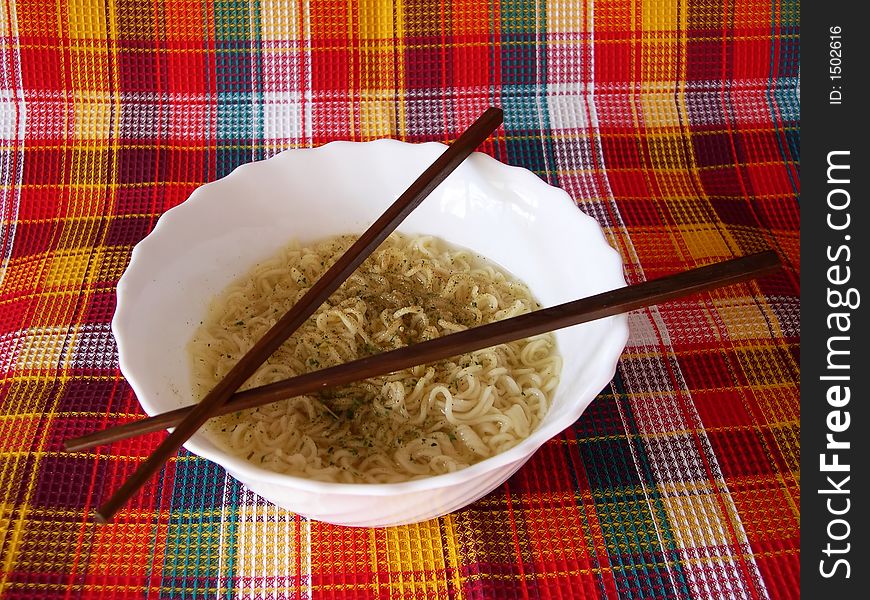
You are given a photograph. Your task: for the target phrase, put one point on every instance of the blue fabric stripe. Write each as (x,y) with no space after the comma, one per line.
(523,98)
(235,112)
(782,88)
(193,567)
(615,480)
(191,562)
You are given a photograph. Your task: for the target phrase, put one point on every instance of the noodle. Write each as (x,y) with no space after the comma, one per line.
(423,421)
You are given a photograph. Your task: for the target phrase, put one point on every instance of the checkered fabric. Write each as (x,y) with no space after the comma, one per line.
(674,123)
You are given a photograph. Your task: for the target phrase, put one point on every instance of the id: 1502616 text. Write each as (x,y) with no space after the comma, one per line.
(835,64)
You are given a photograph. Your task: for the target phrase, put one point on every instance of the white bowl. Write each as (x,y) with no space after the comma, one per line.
(505,213)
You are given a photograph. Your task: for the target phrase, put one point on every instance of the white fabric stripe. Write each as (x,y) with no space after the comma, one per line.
(188,98)
(308,138)
(308,123)
(283,82)
(10,105)
(56,347)
(256,81)
(268,551)
(540,81)
(671,463)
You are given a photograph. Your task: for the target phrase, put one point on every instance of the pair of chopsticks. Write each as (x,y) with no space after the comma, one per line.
(223,399)
(599,306)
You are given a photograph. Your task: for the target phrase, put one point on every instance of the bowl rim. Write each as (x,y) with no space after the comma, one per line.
(614,343)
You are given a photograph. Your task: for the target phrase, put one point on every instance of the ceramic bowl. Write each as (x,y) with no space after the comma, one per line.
(505,213)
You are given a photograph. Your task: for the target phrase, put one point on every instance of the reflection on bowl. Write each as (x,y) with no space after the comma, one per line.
(504,213)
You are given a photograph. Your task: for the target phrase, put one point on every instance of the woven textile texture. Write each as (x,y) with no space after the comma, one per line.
(674,123)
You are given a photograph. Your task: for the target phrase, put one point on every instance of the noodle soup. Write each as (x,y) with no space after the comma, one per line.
(424,421)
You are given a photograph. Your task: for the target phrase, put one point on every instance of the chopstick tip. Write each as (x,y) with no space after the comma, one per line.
(495,112)
(770,259)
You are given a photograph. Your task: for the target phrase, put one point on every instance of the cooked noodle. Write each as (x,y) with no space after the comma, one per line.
(419,422)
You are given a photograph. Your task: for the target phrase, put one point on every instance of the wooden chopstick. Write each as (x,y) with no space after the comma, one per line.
(599,306)
(307,305)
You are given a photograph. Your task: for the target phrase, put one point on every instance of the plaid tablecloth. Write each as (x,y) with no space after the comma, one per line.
(673,123)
